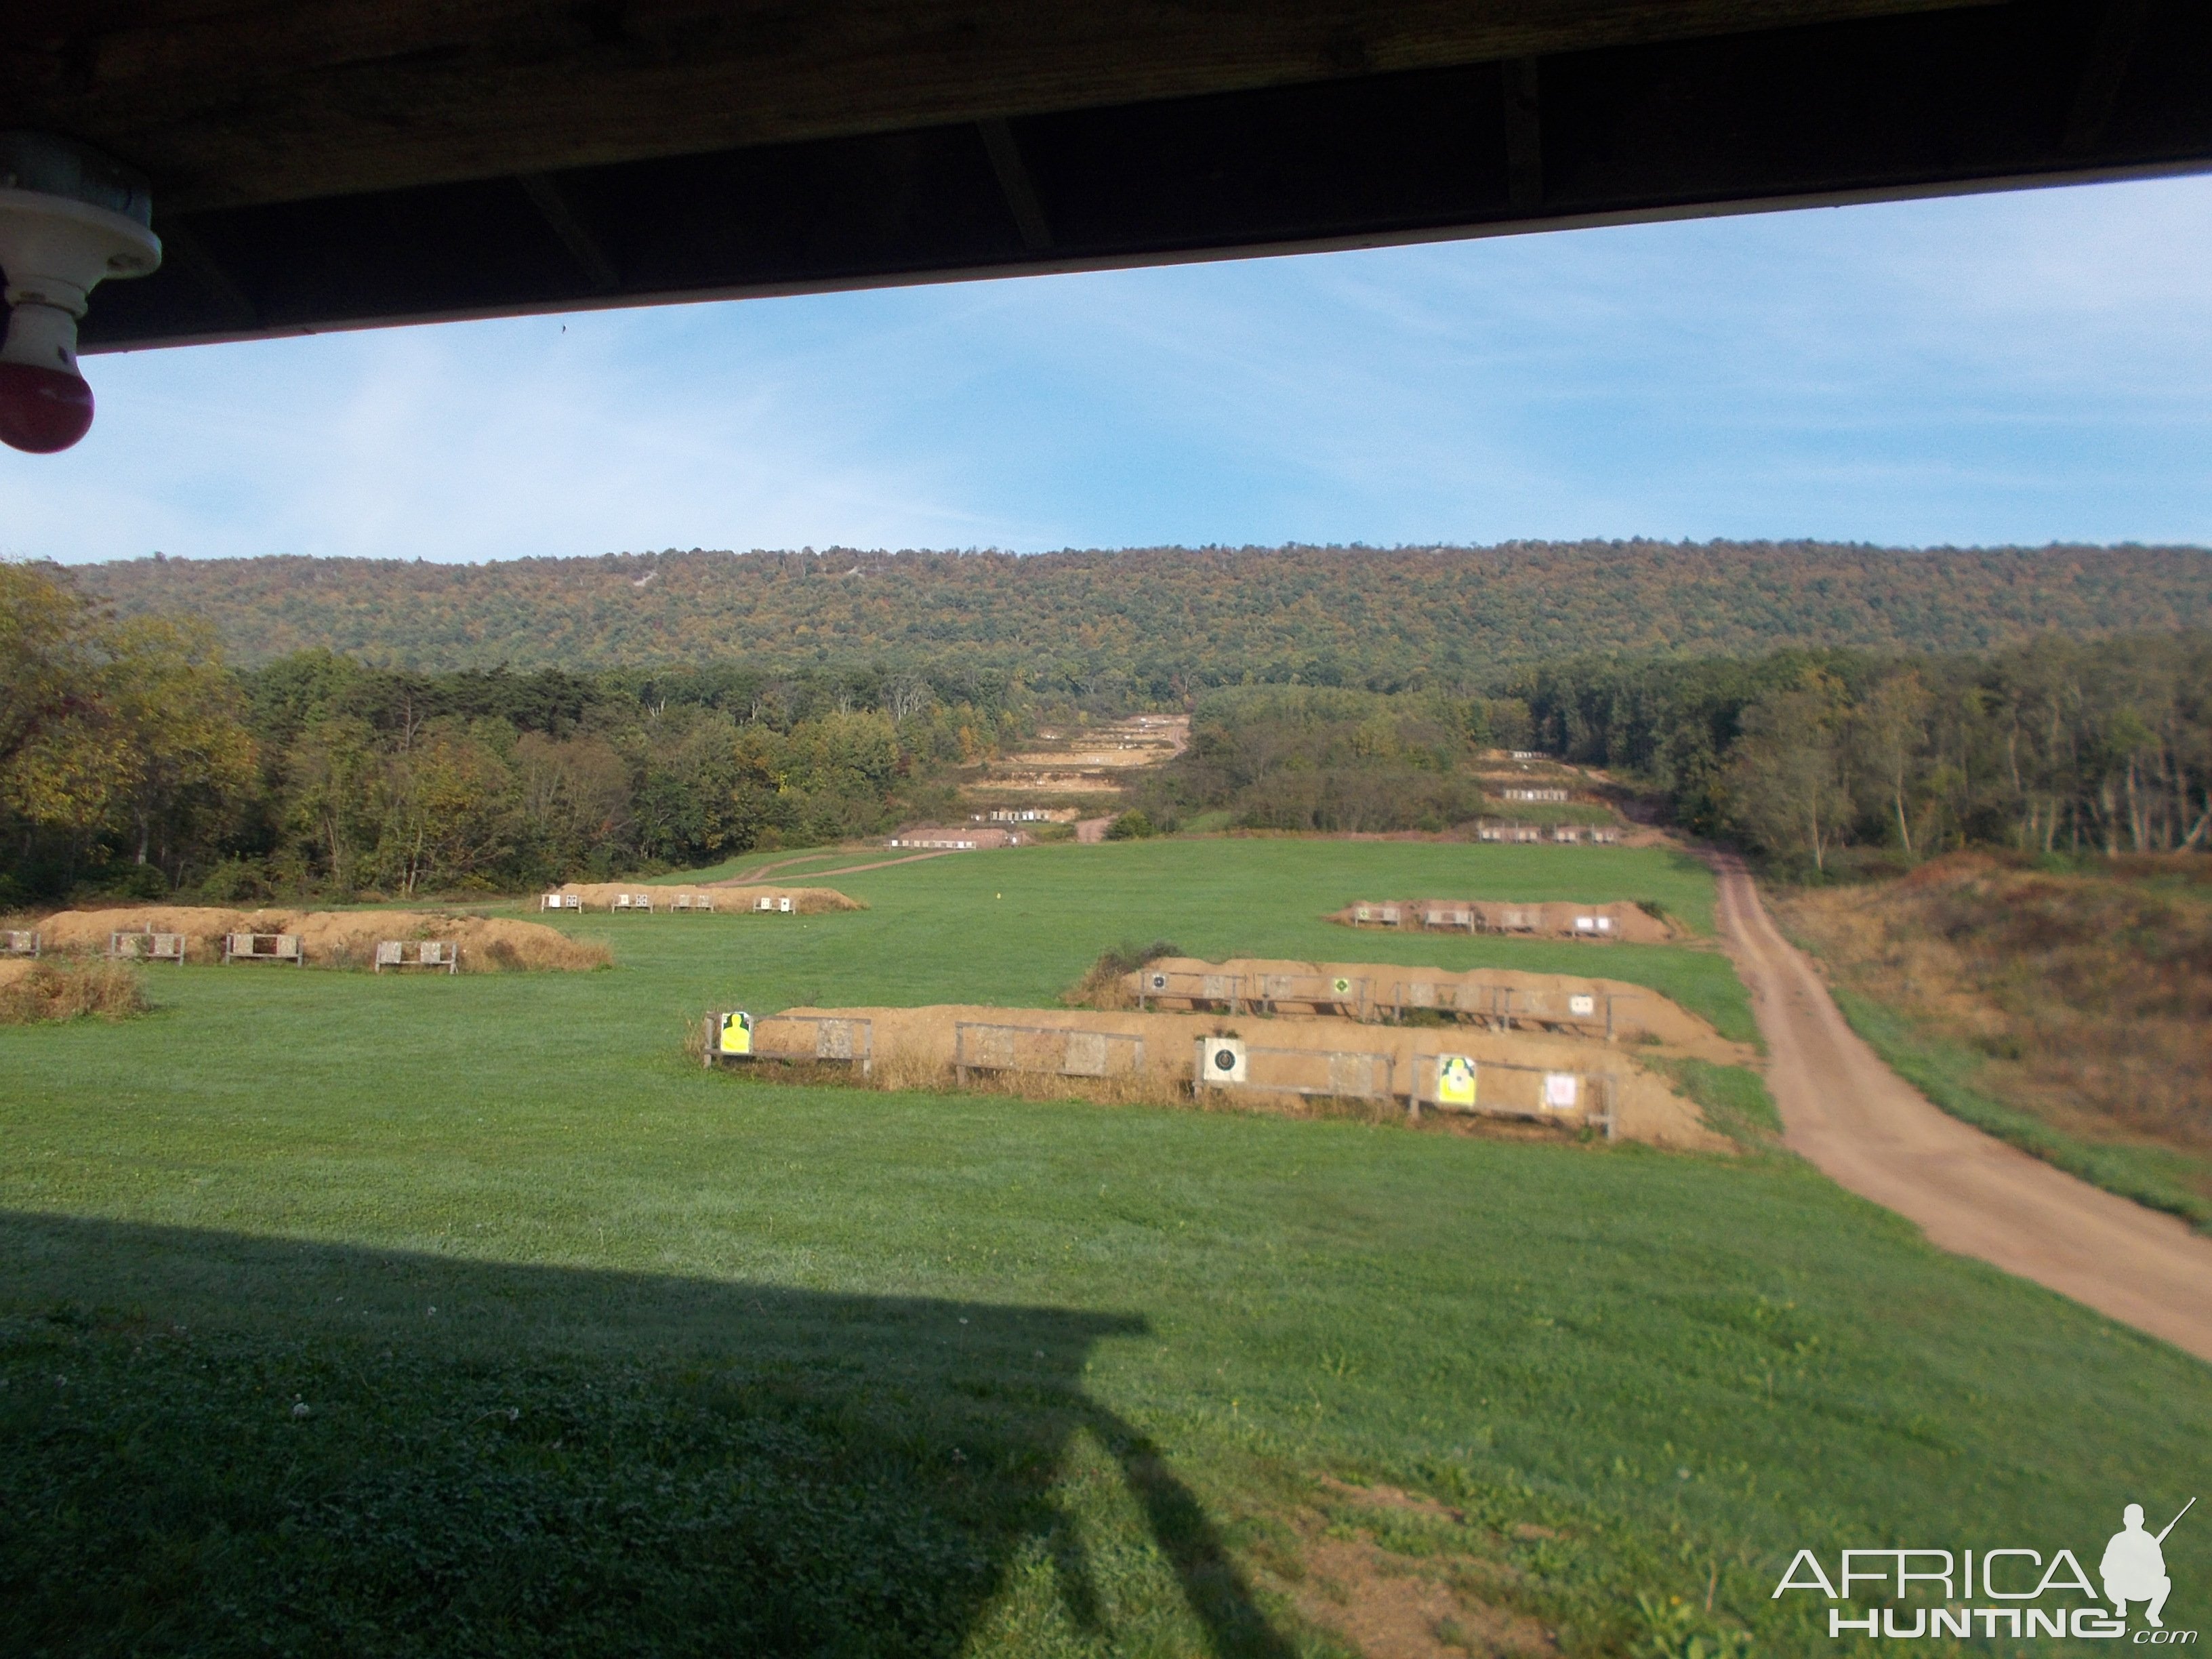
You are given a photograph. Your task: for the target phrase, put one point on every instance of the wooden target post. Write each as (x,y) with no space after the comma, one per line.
(1058,1050)
(397,953)
(737,1036)
(263,947)
(147,946)
(1454,1083)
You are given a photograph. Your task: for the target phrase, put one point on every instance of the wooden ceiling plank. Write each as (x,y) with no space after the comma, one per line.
(288,102)
(1015,184)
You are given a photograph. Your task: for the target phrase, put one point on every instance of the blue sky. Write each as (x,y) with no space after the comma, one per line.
(2023,367)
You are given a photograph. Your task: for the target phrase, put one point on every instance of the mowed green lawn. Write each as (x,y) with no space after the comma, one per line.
(1019,927)
(350,1314)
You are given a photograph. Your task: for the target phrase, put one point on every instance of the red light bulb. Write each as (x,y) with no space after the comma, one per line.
(42,410)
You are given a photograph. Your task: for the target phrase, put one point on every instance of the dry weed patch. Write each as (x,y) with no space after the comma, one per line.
(34,993)
(1105,985)
(2085,998)
(2094,993)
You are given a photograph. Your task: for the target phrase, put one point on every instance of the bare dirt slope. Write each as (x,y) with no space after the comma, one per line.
(1091,762)
(1858,1122)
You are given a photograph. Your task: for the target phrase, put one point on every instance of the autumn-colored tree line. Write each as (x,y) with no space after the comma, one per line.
(133,762)
(1327,758)
(1160,626)
(2101,746)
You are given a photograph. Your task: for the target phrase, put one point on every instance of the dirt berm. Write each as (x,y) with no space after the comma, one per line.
(914,1048)
(333,939)
(1631,922)
(1496,997)
(805,901)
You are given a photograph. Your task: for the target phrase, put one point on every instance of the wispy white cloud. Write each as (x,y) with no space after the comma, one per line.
(2026,366)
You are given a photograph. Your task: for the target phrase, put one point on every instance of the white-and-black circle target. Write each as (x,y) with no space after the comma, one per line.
(1159,981)
(1225,1060)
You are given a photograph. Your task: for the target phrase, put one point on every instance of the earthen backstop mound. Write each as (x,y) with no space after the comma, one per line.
(333,939)
(1534,919)
(1498,997)
(805,901)
(918,1048)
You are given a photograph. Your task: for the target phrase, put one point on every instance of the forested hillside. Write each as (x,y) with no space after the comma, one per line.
(822,697)
(1158,624)
(133,762)
(1328,758)
(2057,745)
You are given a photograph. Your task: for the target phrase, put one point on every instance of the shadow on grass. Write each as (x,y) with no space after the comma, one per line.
(214,1443)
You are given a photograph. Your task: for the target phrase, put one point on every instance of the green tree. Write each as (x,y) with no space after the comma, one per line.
(44,629)
(190,761)
(129,731)
(450,815)
(332,776)
(1889,738)
(1787,782)
(574,794)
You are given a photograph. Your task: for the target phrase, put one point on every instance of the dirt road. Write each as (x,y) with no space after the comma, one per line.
(1855,1119)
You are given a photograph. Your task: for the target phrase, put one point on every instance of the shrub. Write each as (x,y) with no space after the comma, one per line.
(1132,825)
(235,881)
(47,991)
(1101,986)
(128,881)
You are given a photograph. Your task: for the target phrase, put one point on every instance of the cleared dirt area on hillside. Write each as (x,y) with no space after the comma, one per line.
(2090,994)
(1091,761)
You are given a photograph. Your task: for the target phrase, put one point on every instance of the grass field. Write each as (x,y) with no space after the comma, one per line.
(1041,916)
(464,1317)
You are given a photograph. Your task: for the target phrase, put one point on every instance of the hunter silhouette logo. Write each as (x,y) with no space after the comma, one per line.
(2134,1567)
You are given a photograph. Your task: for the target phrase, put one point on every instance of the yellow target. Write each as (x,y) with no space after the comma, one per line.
(736,1035)
(1455,1080)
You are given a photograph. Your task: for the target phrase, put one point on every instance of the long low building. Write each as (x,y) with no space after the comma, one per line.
(966,838)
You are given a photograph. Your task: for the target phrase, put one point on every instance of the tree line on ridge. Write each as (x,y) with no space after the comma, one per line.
(1159,626)
(134,761)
